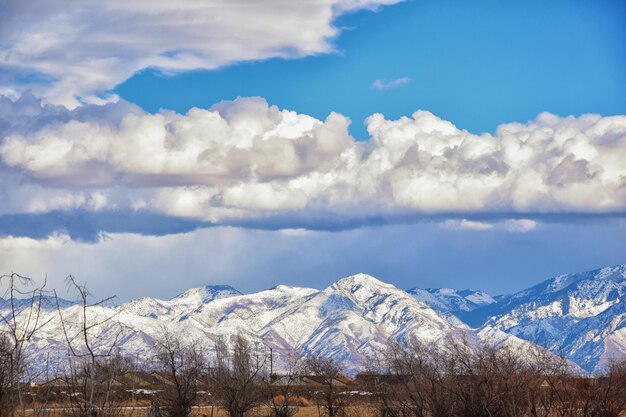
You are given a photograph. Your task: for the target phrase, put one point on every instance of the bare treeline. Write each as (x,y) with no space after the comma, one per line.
(82,384)
(237,377)
(480,380)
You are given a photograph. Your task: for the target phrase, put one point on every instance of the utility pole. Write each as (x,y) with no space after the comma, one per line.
(271,363)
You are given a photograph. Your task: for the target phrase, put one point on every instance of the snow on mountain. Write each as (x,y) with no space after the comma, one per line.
(352,320)
(582,315)
(450,301)
(355,319)
(111,331)
(205,294)
(45,302)
(181,305)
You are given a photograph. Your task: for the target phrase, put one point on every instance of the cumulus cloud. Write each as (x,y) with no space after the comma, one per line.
(70,52)
(246,162)
(389,85)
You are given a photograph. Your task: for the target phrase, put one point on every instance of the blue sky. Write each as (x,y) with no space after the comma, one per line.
(257,146)
(477,64)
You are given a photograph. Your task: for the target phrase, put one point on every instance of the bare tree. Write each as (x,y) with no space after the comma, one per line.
(611,390)
(476,380)
(237,375)
(281,392)
(20,321)
(600,395)
(415,383)
(328,371)
(91,367)
(5,371)
(546,373)
(486,380)
(183,363)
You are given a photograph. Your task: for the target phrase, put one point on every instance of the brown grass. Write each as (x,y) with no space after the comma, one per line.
(208,411)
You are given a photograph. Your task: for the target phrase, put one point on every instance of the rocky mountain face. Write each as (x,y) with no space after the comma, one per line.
(581,316)
(181,305)
(355,319)
(454,304)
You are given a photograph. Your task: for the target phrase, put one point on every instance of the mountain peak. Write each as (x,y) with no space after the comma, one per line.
(354,282)
(290,288)
(207,293)
(616,273)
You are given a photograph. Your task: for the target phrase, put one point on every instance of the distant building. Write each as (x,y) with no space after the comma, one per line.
(310,380)
(374,379)
(138,379)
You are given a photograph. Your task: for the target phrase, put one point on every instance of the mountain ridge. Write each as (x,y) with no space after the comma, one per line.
(581,315)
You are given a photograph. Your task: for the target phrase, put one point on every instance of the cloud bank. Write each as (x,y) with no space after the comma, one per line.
(248,163)
(71,52)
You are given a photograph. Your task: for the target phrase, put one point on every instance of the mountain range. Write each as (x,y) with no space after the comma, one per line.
(581,316)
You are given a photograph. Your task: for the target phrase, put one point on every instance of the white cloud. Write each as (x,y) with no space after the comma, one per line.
(388,85)
(295,232)
(467,224)
(519,225)
(246,160)
(12,243)
(76,51)
(509,225)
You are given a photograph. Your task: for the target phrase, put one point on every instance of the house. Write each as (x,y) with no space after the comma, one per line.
(545,384)
(373,379)
(138,379)
(310,380)
(314,380)
(284,380)
(162,378)
(55,382)
(115,383)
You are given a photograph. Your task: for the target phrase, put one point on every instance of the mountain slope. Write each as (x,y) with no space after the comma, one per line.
(352,320)
(581,315)
(181,305)
(452,303)
(355,319)
(45,302)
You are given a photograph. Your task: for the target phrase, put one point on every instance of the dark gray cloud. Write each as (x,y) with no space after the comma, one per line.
(88,226)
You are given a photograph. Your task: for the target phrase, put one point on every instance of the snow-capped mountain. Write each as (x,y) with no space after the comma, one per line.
(353,320)
(581,315)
